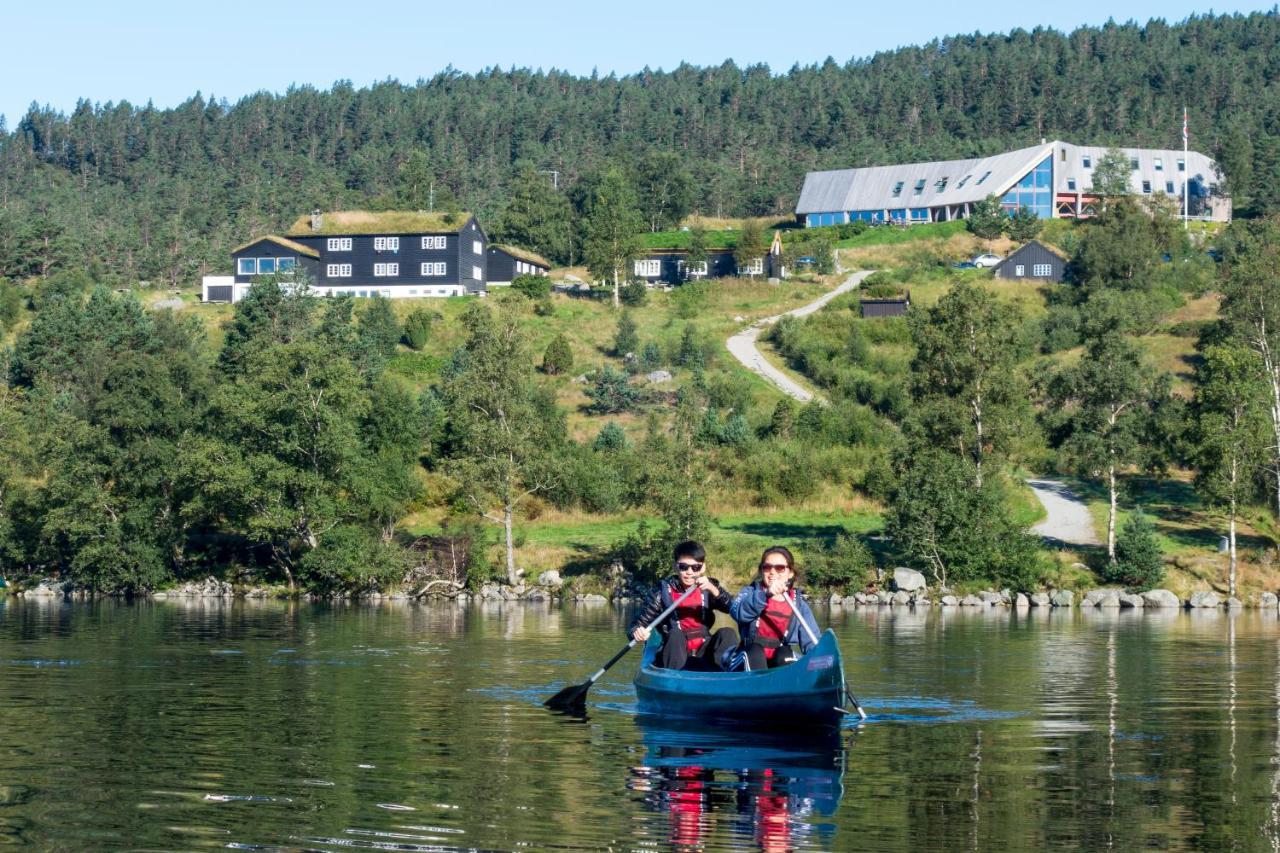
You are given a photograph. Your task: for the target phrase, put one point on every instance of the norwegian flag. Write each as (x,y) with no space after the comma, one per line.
(1184,125)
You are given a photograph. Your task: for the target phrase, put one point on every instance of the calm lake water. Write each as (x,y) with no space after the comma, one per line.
(271,726)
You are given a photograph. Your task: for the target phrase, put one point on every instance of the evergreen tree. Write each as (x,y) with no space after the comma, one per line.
(625,339)
(1139,564)
(417,328)
(987,219)
(557,358)
(697,255)
(537,216)
(665,188)
(1025,225)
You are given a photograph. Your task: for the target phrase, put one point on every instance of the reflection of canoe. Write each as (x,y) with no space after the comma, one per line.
(811,689)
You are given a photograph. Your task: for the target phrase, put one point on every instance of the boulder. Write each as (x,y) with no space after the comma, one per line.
(921,601)
(1062,598)
(536,594)
(1204,599)
(593,598)
(990,598)
(1093,596)
(972,601)
(907,580)
(49,588)
(550,579)
(1111,599)
(884,597)
(1128,599)
(1160,598)
(1039,599)
(1268,600)
(658,376)
(1234,603)
(859,598)
(1021,602)
(949,601)
(901,597)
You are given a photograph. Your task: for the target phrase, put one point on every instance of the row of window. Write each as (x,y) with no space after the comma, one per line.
(524,268)
(653,268)
(1037,270)
(939,185)
(429,268)
(264,266)
(426,291)
(1087,162)
(392,244)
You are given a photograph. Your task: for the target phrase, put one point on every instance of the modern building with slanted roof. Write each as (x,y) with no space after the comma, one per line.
(396,254)
(1053,179)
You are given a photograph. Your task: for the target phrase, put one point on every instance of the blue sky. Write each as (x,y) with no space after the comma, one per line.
(57,53)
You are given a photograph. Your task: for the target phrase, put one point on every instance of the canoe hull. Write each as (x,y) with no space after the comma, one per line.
(811,689)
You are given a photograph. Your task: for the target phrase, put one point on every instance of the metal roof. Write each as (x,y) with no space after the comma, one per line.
(872,187)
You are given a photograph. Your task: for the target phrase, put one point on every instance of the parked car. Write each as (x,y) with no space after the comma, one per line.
(964,265)
(987,260)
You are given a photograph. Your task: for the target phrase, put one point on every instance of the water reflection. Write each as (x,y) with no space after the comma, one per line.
(774,789)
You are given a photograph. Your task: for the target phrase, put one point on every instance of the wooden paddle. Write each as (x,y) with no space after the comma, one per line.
(813,638)
(574,697)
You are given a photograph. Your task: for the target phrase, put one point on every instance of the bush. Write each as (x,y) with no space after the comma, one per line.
(533,286)
(610,439)
(612,393)
(11,299)
(634,293)
(351,559)
(557,358)
(417,328)
(1139,564)
(845,564)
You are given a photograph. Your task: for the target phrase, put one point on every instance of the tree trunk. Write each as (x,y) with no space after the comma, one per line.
(507,514)
(1273,377)
(1231,572)
(616,301)
(1111,513)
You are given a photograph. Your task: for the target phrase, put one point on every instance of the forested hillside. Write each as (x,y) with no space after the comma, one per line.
(142,194)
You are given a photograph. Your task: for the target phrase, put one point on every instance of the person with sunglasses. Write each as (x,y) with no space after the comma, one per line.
(688,642)
(770,626)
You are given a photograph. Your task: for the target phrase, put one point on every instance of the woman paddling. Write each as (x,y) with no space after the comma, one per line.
(687,639)
(770,627)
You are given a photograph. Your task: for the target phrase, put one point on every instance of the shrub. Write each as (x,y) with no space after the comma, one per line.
(634,293)
(610,439)
(612,393)
(1139,564)
(625,339)
(533,286)
(557,358)
(417,328)
(351,559)
(843,564)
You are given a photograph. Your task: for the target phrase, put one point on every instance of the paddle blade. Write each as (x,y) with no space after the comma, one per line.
(572,698)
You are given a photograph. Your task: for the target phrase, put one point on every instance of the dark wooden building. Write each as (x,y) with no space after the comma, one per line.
(1034,261)
(395,254)
(507,262)
(892,306)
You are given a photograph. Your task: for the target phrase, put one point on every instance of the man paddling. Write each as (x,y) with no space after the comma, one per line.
(687,639)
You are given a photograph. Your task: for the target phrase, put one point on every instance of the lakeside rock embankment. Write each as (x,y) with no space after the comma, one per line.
(907,588)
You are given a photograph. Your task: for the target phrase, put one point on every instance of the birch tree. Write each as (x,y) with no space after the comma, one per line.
(1231,433)
(612,229)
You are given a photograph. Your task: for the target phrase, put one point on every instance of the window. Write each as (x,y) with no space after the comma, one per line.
(1168,187)
(338,271)
(286,264)
(756,267)
(339,244)
(246,266)
(413,292)
(985,175)
(1087,161)
(1071,184)
(476,273)
(693,271)
(1182,165)
(1042,270)
(386,269)
(963,181)
(386,244)
(941,184)
(436,268)
(918,188)
(1019,270)
(1146,186)
(266,266)
(476,248)
(1133,163)
(1159,164)
(648,269)
(433,242)
(897,189)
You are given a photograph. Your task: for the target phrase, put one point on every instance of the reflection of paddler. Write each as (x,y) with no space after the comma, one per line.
(772,816)
(687,802)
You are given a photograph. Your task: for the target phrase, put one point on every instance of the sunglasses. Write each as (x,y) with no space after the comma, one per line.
(696,568)
(774,567)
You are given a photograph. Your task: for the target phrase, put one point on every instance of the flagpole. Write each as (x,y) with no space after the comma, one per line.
(1185,167)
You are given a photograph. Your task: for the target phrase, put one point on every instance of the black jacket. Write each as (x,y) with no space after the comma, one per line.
(670,590)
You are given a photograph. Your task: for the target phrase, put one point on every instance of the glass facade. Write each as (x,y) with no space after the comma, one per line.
(1034,191)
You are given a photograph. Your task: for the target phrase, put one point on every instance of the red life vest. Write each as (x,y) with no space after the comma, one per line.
(689,618)
(772,626)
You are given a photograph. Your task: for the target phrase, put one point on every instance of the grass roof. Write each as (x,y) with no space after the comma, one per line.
(288,244)
(343,222)
(523,254)
(680,239)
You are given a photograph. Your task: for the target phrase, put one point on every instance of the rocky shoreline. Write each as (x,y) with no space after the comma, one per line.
(908,588)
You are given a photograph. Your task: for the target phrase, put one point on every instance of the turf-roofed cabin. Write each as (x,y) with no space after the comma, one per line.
(508,262)
(396,254)
(1034,261)
(665,259)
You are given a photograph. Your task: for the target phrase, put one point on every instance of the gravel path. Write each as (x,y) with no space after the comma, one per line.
(1068,521)
(743,345)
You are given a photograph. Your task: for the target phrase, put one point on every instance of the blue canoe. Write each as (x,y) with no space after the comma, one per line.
(812,688)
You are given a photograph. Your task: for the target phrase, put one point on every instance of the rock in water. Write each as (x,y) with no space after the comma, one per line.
(901,597)
(1204,599)
(1269,600)
(990,598)
(1161,598)
(1021,602)
(949,601)
(1128,599)
(907,580)
(1040,599)
(1062,598)
(972,601)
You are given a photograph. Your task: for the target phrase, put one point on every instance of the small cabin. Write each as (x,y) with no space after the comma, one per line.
(890,306)
(1034,262)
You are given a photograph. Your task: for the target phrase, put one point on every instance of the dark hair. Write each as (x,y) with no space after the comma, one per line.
(786,553)
(690,548)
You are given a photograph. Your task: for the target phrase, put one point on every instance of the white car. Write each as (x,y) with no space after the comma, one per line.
(987,260)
